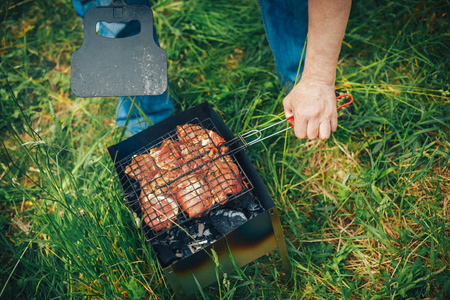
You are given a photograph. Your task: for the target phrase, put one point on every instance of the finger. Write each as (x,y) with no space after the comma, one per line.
(325,130)
(334,121)
(313,129)
(300,126)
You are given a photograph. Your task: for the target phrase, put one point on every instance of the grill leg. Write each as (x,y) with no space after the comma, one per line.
(278,230)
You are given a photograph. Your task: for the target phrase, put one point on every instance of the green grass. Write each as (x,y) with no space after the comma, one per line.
(365,214)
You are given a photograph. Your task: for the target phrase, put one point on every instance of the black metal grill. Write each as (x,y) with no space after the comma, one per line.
(256,233)
(184,174)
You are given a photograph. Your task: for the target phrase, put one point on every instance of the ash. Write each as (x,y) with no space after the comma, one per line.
(198,233)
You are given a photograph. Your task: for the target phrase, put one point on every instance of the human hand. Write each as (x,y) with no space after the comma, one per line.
(313,104)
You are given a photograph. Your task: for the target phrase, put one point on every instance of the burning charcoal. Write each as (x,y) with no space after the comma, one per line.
(201,228)
(241,203)
(196,246)
(207,233)
(254,209)
(226,220)
(184,237)
(165,255)
(201,232)
(185,250)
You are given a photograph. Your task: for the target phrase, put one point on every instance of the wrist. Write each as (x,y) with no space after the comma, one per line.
(320,70)
(320,77)
(320,64)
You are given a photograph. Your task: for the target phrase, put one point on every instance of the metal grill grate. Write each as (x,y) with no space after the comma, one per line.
(184,174)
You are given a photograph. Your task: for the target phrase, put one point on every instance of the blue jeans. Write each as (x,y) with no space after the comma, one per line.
(286,25)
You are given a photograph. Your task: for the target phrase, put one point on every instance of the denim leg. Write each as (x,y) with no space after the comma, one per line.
(286,24)
(156,108)
(81,6)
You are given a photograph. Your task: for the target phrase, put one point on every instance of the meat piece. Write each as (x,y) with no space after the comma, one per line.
(192,194)
(159,211)
(204,140)
(224,179)
(142,166)
(167,155)
(159,184)
(193,159)
(156,169)
(156,185)
(198,147)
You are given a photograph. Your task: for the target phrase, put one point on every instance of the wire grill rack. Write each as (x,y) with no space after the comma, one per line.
(183,174)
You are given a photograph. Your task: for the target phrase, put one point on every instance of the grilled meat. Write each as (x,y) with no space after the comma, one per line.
(192,159)
(142,167)
(192,195)
(223,178)
(159,211)
(193,172)
(167,155)
(204,140)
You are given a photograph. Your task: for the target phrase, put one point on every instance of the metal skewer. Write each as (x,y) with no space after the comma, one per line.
(258,132)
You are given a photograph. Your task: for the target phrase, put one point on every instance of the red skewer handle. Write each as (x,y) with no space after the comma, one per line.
(345,104)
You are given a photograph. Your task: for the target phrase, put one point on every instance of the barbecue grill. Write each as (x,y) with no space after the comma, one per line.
(218,185)
(184,164)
